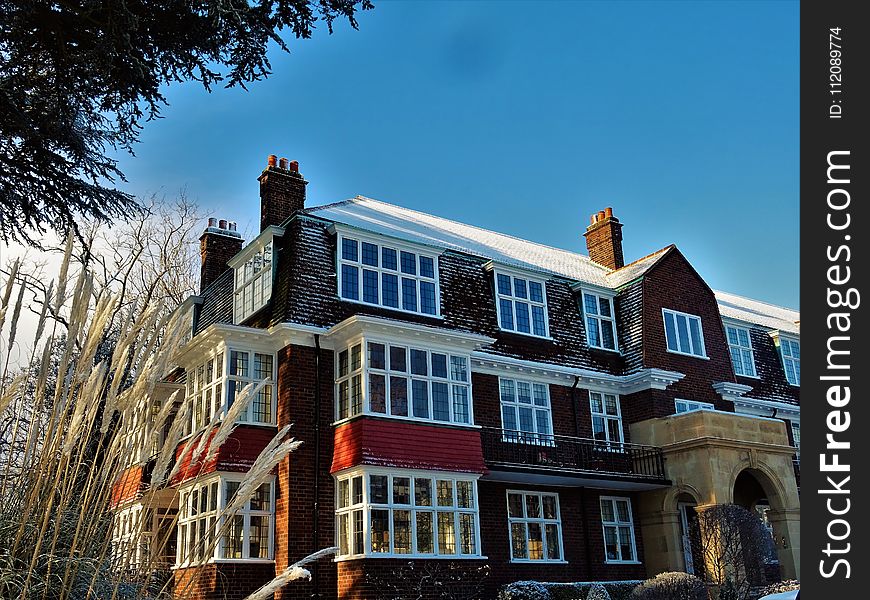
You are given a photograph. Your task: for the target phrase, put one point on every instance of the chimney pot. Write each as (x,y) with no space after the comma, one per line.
(600,215)
(222,224)
(608,212)
(294,166)
(212,222)
(272,161)
(282,162)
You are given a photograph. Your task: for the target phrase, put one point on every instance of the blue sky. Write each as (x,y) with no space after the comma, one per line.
(525,118)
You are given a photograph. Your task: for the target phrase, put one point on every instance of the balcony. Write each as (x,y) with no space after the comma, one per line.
(570,459)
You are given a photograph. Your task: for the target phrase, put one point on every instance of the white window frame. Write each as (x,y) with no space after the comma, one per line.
(518,435)
(617,523)
(131,535)
(513,299)
(209,396)
(689,318)
(219,529)
(542,521)
(598,318)
(254,278)
(741,349)
(785,341)
(606,417)
(796,435)
(365,373)
(366,506)
(381,271)
(691,405)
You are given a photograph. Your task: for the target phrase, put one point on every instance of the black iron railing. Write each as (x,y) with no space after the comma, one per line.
(796,462)
(570,454)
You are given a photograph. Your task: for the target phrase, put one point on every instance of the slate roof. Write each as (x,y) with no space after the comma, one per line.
(758,313)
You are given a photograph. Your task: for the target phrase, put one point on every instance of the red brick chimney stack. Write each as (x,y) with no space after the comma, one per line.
(218,243)
(282,191)
(604,239)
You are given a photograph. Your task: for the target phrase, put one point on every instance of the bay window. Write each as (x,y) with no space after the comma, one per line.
(521,305)
(205,534)
(402,381)
(535,526)
(384,275)
(406,514)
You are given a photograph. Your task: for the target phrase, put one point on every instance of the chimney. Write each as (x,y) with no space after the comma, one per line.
(218,243)
(604,239)
(282,191)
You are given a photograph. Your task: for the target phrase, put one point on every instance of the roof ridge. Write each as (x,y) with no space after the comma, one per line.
(771,304)
(642,258)
(330,205)
(507,235)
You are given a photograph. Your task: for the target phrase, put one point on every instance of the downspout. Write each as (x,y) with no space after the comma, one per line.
(315,575)
(583,510)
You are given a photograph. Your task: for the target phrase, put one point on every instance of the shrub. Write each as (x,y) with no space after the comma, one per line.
(524,590)
(779,587)
(621,590)
(597,592)
(671,586)
(728,591)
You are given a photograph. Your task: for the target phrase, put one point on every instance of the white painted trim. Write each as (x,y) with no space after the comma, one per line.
(730,390)
(249,250)
(609,296)
(514,299)
(688,316)
(751,349)
(405,332)
(541,520)
(618,524)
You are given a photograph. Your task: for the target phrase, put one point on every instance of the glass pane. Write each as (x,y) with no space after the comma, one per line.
(239,363)
(399,396)
(427,267)
(506,307)
(262,498)
(622,511)
(671,332)
(444,488)
(520,288)
(736,361)
(538,325)
(507,390)
(370,286)
(349,249)
(595,402)
(440,402)
(542,420)
(231,489)
(598,430)
(369,254)
(461,414)
(358,533)
(604,307)
(402,531)
(458,368)
(409,263)
(349,282)
(744,338)
(683,333)
(409,294)
(419,362)
(356,357)
(378,489)
(425,543)
(233,537)
(398,359)
(607,514)
(536,292)
(614,430)
(258,537)
(343,493)
(590,305)
(533,506)
(377,356)
(356,395)
(732,335)
(523,321)
(468,544)
(697,343)
(420,395)
(524,392)
(610,405)
(390,290)
(356,490)
(593,331)
(504,285)
(343,535)
(401,490)
(526,423)
(549,505)
(388,257)
(380,530)
(465,494)
(423,492)
(626,550)
(611,546)
(439,365)
(377,393)
(536,541)
(518,540)
(607,338)
(446,533)
(552,532)
(343,363)
(428,303)
(509,418)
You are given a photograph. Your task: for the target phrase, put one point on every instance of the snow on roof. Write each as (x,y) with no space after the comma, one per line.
(759,313)
(414,226)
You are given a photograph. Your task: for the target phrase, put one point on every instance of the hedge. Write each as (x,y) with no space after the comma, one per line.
(534,590)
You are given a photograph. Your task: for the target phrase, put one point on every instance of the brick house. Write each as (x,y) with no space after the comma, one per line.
(467,401)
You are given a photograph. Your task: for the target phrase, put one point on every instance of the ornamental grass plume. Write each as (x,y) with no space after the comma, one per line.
(75,423)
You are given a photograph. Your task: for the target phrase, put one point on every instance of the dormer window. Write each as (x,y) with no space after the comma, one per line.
(521,304)
(740,346)
(254,273)
(683,333)
(388,276)
(600,321)
(791,359)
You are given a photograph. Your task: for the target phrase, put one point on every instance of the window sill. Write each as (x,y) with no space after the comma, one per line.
(381,555)
(608,350)
(438,316)
(748,376)
(702,357)
(212,561)
(622,562)
(533,336)
(405,419)
(528,561)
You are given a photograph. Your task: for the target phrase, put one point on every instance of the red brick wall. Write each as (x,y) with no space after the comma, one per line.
(386,442)
(392,579)
(582,538)
(221,581)
(215,250)
(673,283)
(282,192)
(295,501)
